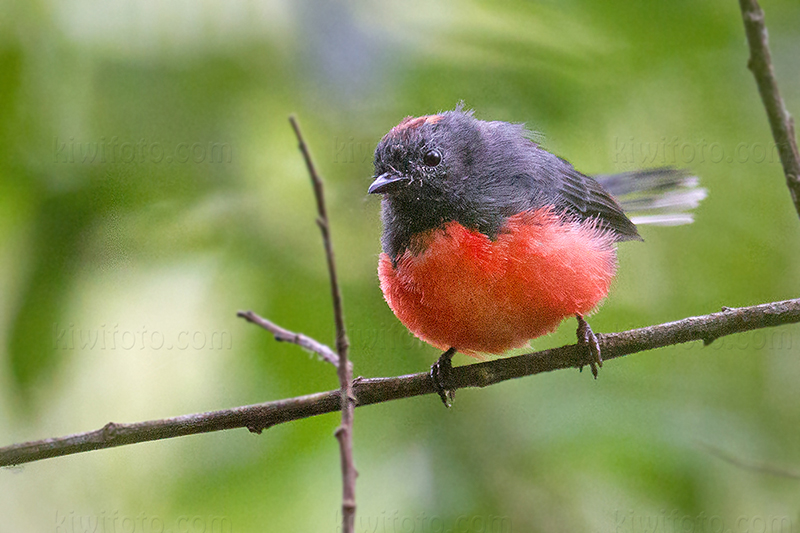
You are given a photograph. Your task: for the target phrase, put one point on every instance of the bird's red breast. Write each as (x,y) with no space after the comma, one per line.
(456,287)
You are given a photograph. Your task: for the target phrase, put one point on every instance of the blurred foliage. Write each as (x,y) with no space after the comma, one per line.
(150,186)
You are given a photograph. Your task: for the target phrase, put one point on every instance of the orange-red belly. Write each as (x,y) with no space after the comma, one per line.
(467,291)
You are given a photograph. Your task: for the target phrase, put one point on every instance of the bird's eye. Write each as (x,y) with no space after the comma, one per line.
(432,158)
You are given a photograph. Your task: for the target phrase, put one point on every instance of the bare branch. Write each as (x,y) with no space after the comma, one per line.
(345,432)
(780,121)
(284,335)
(342,344)
(376,390)
(754,466)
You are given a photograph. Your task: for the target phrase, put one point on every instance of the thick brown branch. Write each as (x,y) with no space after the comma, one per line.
(376,390)
(780,120)
(345,432)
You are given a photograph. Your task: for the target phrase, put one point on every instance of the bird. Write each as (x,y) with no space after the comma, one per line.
(490,241)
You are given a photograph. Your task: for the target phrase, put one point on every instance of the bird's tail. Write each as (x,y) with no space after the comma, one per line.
(659,196)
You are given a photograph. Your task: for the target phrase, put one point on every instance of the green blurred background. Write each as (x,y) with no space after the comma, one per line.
(150,187)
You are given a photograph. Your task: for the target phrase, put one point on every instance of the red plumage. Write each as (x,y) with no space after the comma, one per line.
(461,289)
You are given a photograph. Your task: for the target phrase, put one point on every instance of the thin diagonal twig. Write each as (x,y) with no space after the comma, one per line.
(755,466)
(284,335)
(377,390)
(780,121)
(345,432)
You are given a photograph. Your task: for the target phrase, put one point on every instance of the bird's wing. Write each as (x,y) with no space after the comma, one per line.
(555,181)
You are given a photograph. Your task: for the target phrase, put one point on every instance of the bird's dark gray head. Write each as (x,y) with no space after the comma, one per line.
(431,170)
(423,155)
(453,167)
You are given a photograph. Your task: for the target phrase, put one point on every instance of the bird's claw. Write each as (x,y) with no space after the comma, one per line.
(440,375)
(587,338)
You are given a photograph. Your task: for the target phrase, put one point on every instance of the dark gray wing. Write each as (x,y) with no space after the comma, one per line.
(523,176)
(586,198)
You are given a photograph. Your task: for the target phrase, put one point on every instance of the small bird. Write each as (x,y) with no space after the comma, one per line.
(490,241)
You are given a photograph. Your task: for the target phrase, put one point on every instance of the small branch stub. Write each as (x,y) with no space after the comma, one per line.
(284,335)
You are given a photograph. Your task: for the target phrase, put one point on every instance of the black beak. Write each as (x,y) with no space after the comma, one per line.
(387,183)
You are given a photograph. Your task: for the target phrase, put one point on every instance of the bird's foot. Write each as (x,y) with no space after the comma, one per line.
(440,375)
(587,338)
